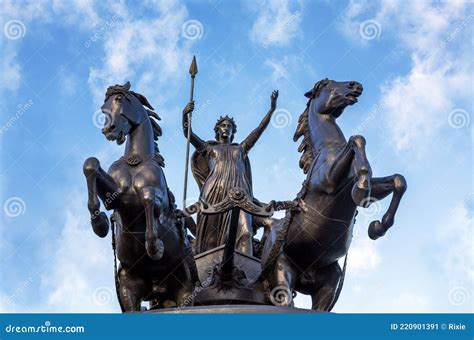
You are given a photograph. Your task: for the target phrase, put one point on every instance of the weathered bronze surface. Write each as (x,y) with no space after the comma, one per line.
(151,242)
(228,266)
(302,249)
(218,166)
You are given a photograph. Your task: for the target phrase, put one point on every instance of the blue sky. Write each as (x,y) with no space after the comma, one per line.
(413,58)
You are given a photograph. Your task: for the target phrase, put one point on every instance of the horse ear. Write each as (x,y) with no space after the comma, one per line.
(315,89)
(127,86)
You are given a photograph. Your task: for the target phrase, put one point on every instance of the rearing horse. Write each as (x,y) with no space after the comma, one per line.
(302,250)
(155,258)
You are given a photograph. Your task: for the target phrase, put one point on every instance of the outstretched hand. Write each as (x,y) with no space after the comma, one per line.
(189,108)
(274,98)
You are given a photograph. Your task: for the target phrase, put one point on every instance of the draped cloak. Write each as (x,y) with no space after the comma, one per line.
(218,168)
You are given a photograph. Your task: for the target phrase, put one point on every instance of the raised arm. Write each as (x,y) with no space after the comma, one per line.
(253,137)
(195,140)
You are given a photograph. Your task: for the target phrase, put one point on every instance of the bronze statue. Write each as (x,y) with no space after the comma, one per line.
(302,250)
(156,262)
(218,166)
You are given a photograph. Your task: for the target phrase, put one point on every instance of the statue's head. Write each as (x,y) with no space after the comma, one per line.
(124,110)
(330,97)
(225,129)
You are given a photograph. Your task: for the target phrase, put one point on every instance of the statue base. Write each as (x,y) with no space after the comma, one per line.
(235,309)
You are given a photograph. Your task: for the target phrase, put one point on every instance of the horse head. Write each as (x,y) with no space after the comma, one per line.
(124,109)
(330,97)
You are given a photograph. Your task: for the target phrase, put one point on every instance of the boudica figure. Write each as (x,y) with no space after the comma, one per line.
(218,166)
(300,252)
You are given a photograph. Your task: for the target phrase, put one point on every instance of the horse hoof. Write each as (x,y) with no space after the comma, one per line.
(100,225)
(376,230)
(155,249)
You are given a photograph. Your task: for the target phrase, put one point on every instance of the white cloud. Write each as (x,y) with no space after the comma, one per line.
(10,70)
(80,13)
(80,275)
(436,36)
(277,23)
(363,256)
(150,50)
(455,234)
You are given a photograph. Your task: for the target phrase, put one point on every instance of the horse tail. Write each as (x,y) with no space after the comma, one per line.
(339,286)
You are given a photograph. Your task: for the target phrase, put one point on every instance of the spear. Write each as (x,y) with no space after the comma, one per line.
(193,70)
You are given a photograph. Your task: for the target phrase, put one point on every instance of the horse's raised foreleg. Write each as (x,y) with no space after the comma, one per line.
(381,188)
(152,201)
(353,153)
(99,184)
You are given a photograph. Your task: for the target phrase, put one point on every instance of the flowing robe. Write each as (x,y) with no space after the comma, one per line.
(218,168)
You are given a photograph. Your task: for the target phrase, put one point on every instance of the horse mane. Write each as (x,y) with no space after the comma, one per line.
(154,118)
(305,146)
(302,129)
